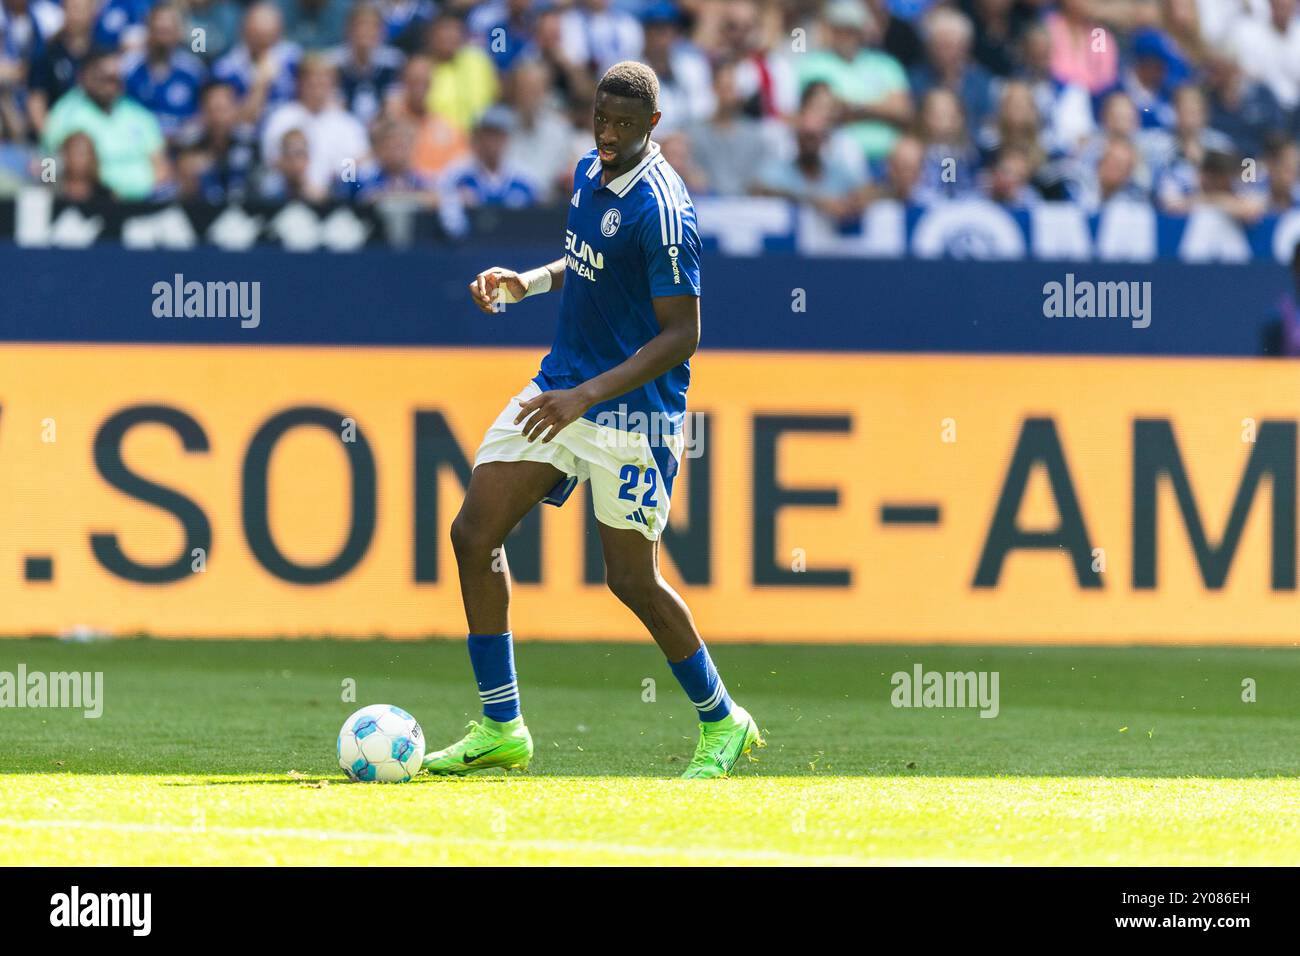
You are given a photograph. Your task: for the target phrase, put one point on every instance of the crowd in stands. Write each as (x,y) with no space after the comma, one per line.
(834,103)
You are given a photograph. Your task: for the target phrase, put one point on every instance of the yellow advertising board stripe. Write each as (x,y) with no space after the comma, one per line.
(218,491)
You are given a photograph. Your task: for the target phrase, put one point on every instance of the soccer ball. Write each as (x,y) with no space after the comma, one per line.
(381,743)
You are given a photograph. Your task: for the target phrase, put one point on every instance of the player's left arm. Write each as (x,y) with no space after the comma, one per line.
(678,338)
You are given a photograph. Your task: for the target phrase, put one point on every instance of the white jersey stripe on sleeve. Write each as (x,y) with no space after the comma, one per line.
(660,201)
(674,206)
(679,201)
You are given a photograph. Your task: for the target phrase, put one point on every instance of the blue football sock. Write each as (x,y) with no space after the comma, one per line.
(699,678)
(493,657)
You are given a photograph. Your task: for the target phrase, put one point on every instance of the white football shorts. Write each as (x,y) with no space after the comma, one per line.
(628,486)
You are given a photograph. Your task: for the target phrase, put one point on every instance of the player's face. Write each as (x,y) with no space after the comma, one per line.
(622,126)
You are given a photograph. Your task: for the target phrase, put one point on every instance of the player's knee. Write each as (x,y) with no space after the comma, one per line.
(634,587)
(469,537)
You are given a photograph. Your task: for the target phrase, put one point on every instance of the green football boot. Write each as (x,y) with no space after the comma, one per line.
(507,745)
(722,743)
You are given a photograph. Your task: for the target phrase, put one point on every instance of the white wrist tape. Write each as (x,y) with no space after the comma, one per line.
(536,281)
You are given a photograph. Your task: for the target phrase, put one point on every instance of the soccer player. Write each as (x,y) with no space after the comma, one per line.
(607,407)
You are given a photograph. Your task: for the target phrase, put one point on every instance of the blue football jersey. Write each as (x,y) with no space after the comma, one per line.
(172,92)
(626,243)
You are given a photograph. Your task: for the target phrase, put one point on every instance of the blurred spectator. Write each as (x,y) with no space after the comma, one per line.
(871,84)
(1082,51)
(1119,122)
(676,149)
(899,25)
(949,168)
(998,27)
(368,67)
(505,28)
(1017,126)
(766,83)
(77,178)
(1178,172)
(336,142)
(814,176)
(1149,82)
(54,71)
(1282,168)
(1115,177)
(228,145)
(1007,182)
(391,174)
(405,22)
(597,35)
(1244,110)
(26,26)
(570,81)
(1220,187)
(797,13)
(165,76)
(1268,49)
(819,103)
(190,165)
(1218,18)
(1066,108)
(218,21)
(541,143)
(730,147)
(685,81)
(1119,117)
(263,67)
(25,29)
(903,171)
(127,138)
(121,24)
(314,24)
(948,39)
(288,178)
(464,80)
(437,143)
(485,178)
(1180,22)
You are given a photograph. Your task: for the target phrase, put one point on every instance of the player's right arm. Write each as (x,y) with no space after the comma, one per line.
(505,285)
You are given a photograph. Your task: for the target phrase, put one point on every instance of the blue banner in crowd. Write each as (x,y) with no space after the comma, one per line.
(1121,231)
(972,229)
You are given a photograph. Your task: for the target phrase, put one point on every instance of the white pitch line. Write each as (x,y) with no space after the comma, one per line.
(343,836)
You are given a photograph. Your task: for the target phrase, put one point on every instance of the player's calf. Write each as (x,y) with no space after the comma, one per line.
(727,731)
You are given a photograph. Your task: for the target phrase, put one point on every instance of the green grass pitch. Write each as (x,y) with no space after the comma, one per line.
(223,753)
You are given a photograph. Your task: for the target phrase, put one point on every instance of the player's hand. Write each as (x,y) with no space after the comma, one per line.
(546,415)
(483,290)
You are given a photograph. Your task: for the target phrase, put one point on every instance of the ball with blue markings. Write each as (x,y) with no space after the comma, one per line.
(380,744)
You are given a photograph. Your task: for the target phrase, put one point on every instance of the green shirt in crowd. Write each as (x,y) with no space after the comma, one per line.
(868,78)
(126,139)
